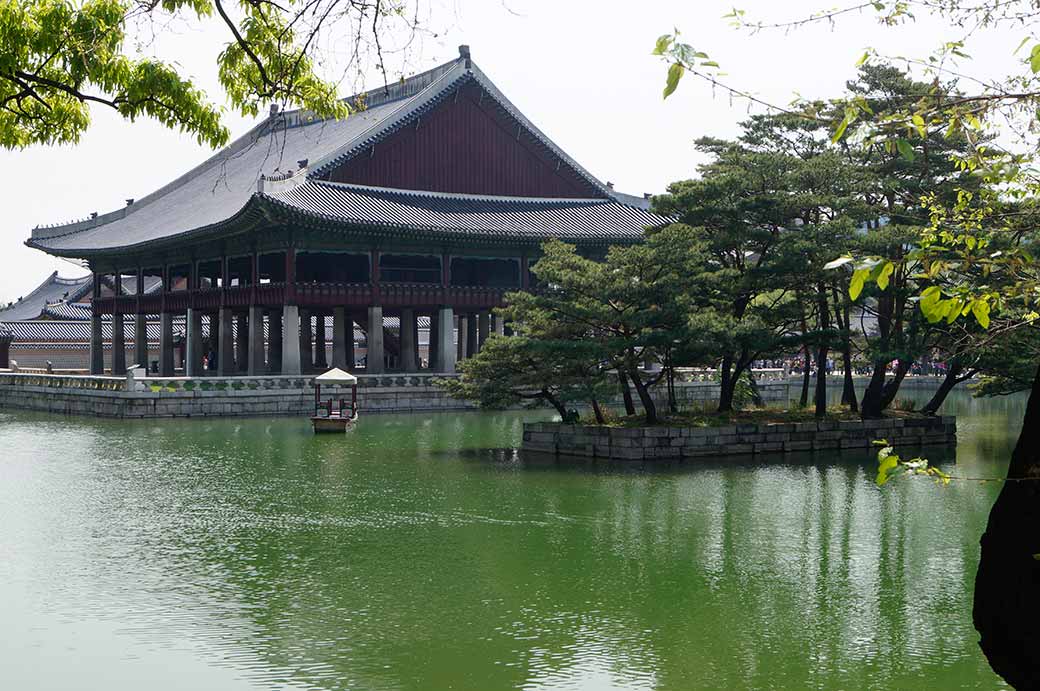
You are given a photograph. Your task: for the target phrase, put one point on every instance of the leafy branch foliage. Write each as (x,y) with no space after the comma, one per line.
(58,57)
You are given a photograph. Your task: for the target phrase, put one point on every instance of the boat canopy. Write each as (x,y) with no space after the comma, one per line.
(336,376)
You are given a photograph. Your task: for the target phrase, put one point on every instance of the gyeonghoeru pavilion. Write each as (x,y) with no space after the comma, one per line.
(429,203)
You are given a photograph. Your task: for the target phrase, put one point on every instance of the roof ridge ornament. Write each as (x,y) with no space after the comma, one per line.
(464,53)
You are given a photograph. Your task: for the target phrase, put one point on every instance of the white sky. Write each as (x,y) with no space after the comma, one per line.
(581,70)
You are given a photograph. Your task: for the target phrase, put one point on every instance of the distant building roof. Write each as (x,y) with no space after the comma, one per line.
(54,288)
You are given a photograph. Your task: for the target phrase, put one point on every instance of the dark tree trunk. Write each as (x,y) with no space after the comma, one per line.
(821,353)
(756,393)
(626,393)
(673,406)
(557,404)
(848,389)
(598,412)
(803,400)
(891,388)
(871,408)
(951,380)
(649,407)
(727,384)
(1007,586)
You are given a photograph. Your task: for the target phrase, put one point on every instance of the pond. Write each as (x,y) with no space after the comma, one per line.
(422,552)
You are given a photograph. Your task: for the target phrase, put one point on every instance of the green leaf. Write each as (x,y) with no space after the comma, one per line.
(675,73)
(662,44)
(840,261)
(856,284)
(980,308)
(886,271)
(956,305)
(886,465)
(841,129)
(905,150)
(1020,45)
(862,61)
(1034,58)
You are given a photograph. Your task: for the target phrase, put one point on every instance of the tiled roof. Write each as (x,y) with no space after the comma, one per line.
(53,289)
(466,215)
(224,188)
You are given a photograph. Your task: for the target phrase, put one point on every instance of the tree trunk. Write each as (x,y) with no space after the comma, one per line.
(649,407)
(727,385)
(949,381)
(598,412)
(556,403)
(1007,606)
(870,408)
(626,392)
(803,400)
(756,393)
(673,406)
(848,389)
(821,352)
(891,388)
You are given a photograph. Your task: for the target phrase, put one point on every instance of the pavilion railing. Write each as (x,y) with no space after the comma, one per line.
(326,294)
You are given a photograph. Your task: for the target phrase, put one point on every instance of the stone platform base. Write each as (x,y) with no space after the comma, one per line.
(651,443)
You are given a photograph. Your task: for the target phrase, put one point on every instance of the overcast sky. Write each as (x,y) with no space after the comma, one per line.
(582,71)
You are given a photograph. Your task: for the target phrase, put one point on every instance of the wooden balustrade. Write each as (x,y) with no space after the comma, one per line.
(310,295)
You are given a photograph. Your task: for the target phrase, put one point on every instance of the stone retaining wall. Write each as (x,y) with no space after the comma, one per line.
(137,396)
(648,443)
(120,397)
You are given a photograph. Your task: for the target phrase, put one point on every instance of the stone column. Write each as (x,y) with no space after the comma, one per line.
(256,365)
(321,361)
(226,345)
(118,345)
(445,363)
(306,343)
(472,345)
(274,341)
(483,326)
(500,325)
(291,340)
(166,344)
(432,349)
(141,340)
(97,346)
(409,347)
(375,340)
(351,356)
(193,360)
(339,338)
(241,344)
(214,341)
(463,348)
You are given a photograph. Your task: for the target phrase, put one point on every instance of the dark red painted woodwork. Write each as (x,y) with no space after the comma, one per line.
(465,146)
(309,295)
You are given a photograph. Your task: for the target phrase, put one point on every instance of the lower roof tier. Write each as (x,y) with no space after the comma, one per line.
(374,211)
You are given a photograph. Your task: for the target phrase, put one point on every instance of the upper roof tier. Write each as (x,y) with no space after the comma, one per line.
(447,134)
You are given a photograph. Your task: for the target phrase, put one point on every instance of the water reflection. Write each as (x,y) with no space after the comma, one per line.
(406,557)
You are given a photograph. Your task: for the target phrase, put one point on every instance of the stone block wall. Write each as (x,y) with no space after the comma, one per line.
(649,443)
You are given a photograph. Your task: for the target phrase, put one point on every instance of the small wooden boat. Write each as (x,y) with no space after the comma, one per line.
(328,417)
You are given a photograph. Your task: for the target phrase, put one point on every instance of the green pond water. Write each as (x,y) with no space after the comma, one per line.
(423,552)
